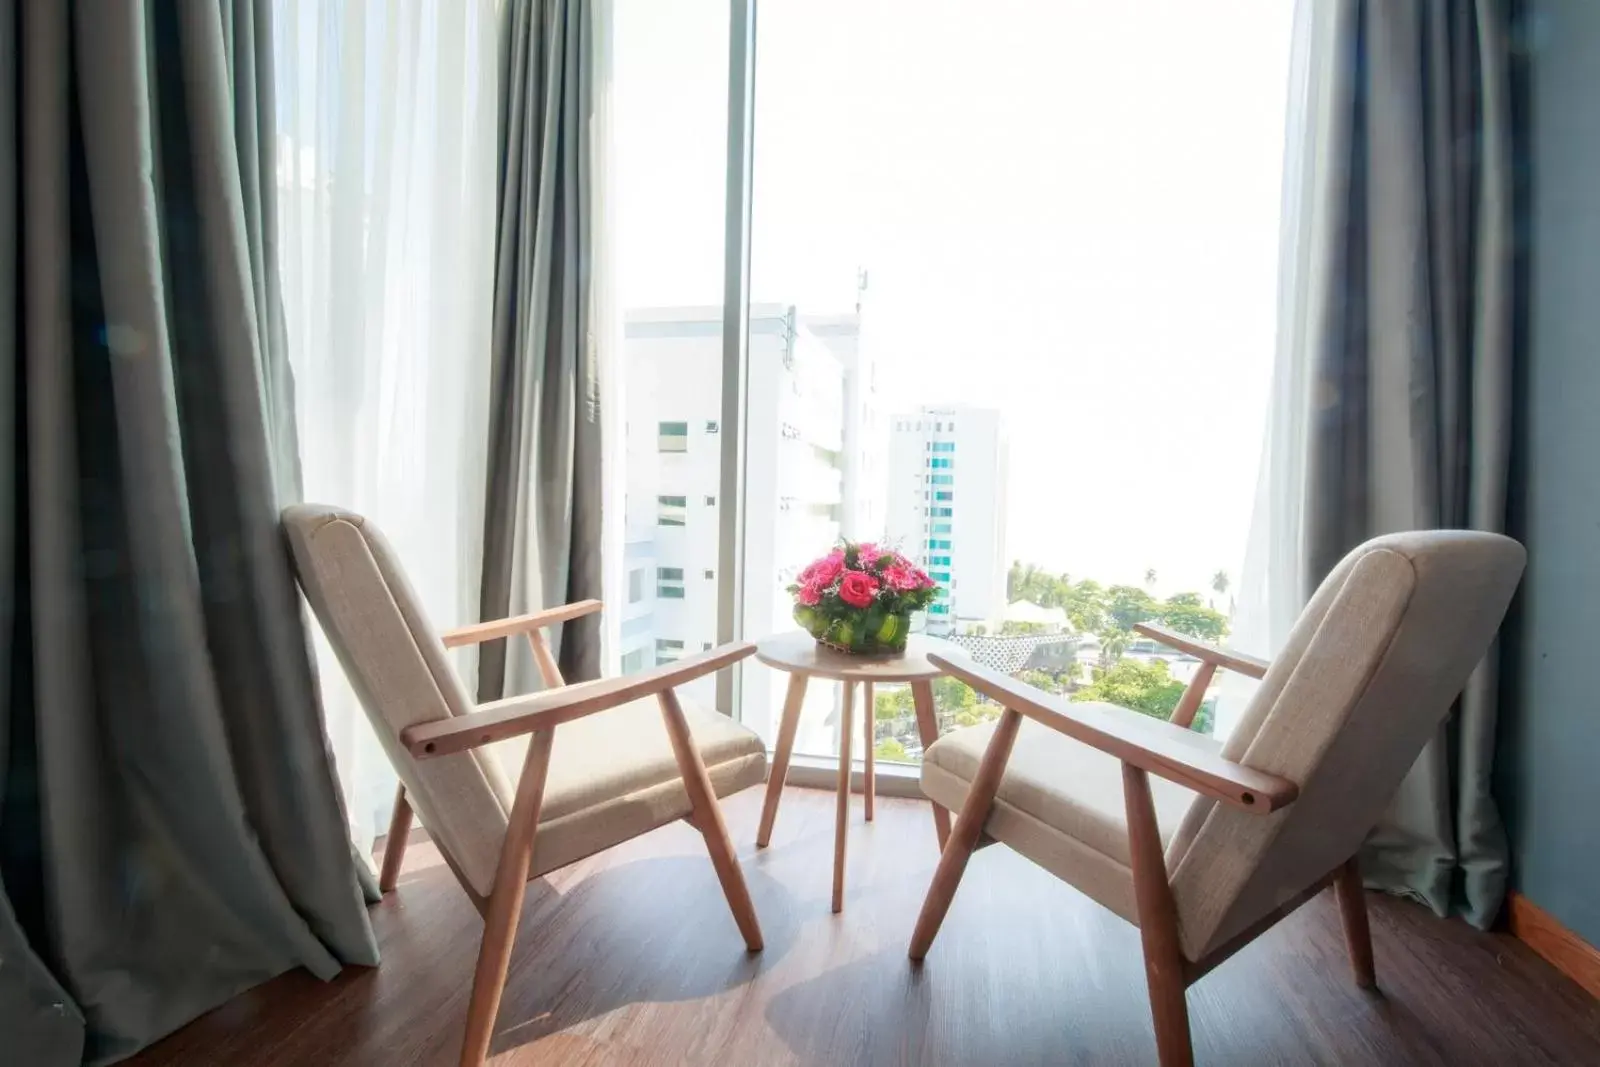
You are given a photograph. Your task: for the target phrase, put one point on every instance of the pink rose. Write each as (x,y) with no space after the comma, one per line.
(857,589)
(825,570)
(810,594)
(901,578)
(867,554)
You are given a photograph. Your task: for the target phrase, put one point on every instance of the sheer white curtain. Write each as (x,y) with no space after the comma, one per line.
(386,119)
(1271,593)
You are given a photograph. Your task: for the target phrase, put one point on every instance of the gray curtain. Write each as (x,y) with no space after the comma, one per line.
(1412,395)
(170,831)
(542,515)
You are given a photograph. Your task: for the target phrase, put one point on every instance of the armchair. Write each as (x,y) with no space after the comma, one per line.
(506,796)
(1205,845)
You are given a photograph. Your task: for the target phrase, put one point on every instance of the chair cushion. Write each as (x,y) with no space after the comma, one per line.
(613,776)
(1060,804)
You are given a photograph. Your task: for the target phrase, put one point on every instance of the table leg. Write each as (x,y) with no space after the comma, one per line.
(780,755)
(841,822)
(928,730)
(868,732)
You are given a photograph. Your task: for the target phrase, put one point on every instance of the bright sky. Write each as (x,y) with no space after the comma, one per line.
(1068,210)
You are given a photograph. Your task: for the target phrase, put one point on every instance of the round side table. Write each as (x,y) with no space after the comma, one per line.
(799,654)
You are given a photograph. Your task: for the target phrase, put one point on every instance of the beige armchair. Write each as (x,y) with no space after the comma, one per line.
(1204,845)
(505,795)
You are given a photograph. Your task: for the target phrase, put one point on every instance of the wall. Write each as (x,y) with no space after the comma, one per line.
(1548,776)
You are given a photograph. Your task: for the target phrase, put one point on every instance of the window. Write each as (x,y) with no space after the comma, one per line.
(938,544)
(711,426)
(940,513)
(940,462)
(942,446)
(668,651)
(711,501)
(672,511)
(939,576)
(633,662)
(944,494)
(636,585)
(942,527)
(938,561)
(669,582)
(705,646)
(672,437)
(711,575)
(938,609)
(941,479)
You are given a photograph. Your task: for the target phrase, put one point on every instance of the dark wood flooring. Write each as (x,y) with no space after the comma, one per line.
(631,957)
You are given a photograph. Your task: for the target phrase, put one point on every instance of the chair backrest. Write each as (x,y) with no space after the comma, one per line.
(1364,681)
(397,666)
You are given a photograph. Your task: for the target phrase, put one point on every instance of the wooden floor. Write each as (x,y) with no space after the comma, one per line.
(632,957)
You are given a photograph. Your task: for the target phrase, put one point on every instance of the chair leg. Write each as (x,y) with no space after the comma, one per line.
(505,902)
(964,838)
(1158,924)
(787,726)
(708,819)
(1353,911)
(394,848)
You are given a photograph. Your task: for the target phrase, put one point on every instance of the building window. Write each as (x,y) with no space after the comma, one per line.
(711,501)
(939,576)
(941,479)
(942,446)
(936,545)
(940,513)
(636,585)
(705,646)
(672,511)
(710,575)
(712,426)
(633,661)
(944,494)
(938,609)
(668,651)
(941,527)
(941,463)
(669,582)
(672,437)
(938,561)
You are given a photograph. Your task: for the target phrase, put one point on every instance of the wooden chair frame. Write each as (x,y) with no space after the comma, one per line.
(539,714)
(1167,971)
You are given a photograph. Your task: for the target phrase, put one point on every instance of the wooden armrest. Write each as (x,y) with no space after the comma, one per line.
(479,632)
(1248,666)
(501,719)
(1157,747)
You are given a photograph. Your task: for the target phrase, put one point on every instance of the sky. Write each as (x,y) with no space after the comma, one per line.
(1066,210)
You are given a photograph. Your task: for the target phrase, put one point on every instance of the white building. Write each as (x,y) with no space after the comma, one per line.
(809,422)
(948,468)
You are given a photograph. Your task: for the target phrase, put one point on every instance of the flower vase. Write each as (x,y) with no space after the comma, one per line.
(867,633)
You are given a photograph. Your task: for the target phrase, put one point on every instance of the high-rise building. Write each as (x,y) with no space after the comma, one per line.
(810,419)
(947,509)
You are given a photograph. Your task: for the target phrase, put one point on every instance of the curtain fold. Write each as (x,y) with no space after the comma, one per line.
(542,537)
(1402,332)
(171,832)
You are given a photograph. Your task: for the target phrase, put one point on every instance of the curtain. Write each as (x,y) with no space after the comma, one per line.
(386,154)
(542,536)
(1395,357)
(170,829)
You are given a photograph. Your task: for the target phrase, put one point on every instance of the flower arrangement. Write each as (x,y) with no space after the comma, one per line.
(859,598)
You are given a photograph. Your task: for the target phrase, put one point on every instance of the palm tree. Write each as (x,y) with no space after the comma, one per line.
(1150,577)
(1220,583)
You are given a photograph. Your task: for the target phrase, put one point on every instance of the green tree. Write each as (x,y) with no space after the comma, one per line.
(1128,604)
(1220,583)
(950,694)
(1185,613)
(1142,687)
(890,749)
(1044,680)
(1086,606)
(891,704)
(1150,576)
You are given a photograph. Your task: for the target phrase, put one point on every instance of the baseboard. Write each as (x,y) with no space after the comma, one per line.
(1560,947)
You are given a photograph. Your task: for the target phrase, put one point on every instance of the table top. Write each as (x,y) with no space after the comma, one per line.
(799,653)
